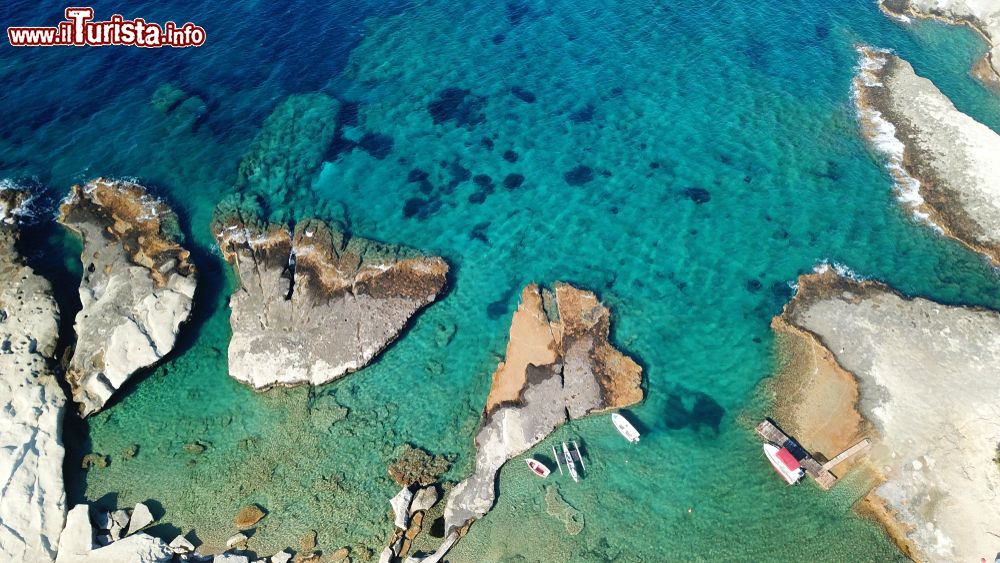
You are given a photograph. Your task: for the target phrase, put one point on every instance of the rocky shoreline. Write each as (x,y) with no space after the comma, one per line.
(559,366)
(925,389)
(137,289)
(943,161)
(313,304)
(32,403)
(980,16)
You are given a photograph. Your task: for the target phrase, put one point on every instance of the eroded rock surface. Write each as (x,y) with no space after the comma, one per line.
(314,305)
(929,383)
(137,288)
(944,162)
(981,15)
(559,365)
(32,501)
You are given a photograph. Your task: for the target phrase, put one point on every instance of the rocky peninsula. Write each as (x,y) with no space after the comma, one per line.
(559,366)
(924,383)
(137,288)
(981,15)
(944,162)
(32,503)
(314,304)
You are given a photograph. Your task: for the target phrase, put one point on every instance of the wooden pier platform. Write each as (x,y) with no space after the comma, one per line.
(818,472)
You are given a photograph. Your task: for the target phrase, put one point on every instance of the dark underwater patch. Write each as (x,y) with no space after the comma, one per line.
(513,181)
(582,115)
(458,105)
(697,195)
(523,95)
(693,410)
(479,233)
(376,144)
(579,175)
(510,156)
(517,10)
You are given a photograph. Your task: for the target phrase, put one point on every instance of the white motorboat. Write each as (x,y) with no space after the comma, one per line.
(625,428)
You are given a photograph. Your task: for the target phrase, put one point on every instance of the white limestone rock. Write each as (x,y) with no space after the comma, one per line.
(424,499)
(236,540)
(181,545)
(137,288)
(141,518)
(401,507)
(32,499)
(314,305)
(76,544)
(281,557)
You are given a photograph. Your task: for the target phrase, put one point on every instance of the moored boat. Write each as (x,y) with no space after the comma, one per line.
(570,464)
(784,463)
(538,468)
(625,428)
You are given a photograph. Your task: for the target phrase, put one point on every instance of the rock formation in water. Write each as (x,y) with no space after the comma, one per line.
(32,501)
(559,366)
(928,382)
(289,149)
(137,288)
(314,304)
(981,15)
(944,162)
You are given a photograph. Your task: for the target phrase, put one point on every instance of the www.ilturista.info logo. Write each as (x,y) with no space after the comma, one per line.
(80,30)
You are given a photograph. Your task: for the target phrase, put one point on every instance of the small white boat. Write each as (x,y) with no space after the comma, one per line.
(784,463)
(538,468)
(625,428)
(570,464)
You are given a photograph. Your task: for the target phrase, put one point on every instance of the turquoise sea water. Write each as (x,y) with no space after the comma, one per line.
(724,161)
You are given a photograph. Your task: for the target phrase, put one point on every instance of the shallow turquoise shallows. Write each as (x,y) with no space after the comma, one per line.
(686,160)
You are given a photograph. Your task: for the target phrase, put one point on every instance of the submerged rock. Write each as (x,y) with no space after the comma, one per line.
(559,365)
(32,501)
(248,517)
(287,152)
(314,305)
(137,288)
(416,466)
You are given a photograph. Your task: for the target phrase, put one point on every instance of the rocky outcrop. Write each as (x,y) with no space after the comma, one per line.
(32,501)
(137,288)
(981,15)
(928,382)
(314,304)
(77,544)
(289,149)
(559,366)
(944,162)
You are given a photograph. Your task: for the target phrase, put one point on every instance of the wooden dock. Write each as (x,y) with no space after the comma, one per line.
(818,472)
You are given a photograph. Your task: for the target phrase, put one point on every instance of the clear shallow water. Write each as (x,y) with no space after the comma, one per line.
(749,103)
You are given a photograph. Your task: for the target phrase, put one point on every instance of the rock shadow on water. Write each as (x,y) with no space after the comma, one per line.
(692,410)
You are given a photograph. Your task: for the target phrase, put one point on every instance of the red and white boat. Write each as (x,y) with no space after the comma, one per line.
(537,467)
(784,463)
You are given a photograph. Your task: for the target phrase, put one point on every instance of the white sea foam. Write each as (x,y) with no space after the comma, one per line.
(842,270)
(882,134)
(22,211)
